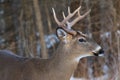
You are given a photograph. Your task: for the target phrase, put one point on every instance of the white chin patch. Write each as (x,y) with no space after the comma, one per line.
(102,55)
(82,56)
(78,58)
(72,78)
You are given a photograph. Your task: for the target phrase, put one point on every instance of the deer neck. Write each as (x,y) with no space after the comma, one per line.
(62,63)
(59,65)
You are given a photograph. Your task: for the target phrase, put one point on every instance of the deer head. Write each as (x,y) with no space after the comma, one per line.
(75,42)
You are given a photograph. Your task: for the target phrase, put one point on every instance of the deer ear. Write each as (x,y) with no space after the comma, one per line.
(63,35)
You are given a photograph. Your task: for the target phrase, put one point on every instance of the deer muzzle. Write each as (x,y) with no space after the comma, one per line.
(98,52)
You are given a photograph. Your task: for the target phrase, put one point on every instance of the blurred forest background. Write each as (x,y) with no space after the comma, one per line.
(28,29)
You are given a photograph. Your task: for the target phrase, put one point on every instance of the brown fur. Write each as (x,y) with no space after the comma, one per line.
(59,67)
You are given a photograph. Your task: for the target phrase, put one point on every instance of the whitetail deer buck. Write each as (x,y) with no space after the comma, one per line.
(73,46)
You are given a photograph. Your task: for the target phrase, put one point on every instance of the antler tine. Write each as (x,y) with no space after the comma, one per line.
(69,10)
(63,15)
(67,22)
(70,15)
(79,17)
(54,14)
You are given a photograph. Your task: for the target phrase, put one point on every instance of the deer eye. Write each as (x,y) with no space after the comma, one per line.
(82,40)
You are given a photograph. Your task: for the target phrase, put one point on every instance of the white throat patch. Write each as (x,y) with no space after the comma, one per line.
(82,56)
(73,78)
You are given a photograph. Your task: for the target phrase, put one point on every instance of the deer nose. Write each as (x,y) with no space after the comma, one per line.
(99,53)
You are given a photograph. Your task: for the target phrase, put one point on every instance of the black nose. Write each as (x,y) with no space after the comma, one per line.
(101,51)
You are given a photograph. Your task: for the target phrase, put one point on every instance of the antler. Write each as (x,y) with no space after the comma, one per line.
(65,24)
